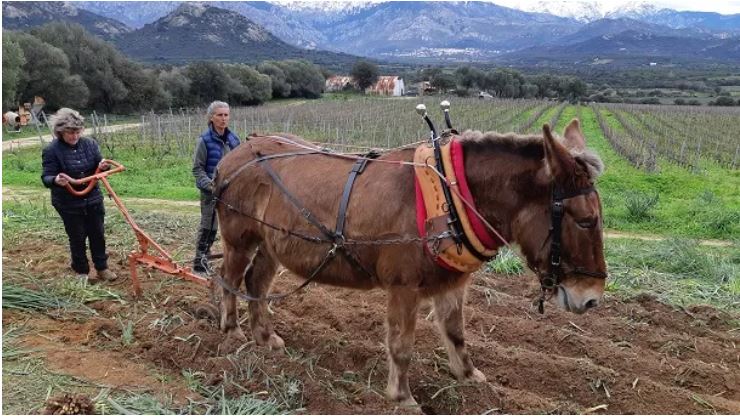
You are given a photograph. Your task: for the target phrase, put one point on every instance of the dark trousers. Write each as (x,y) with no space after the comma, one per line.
(83,224)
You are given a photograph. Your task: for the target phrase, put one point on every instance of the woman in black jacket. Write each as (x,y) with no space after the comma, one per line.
(70,156)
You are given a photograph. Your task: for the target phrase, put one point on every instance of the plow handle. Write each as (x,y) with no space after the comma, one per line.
(93,179)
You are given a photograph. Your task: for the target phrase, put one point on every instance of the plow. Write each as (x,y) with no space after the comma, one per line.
(149,254)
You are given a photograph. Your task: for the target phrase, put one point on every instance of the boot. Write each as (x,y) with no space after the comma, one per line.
(107,275)
(203,245)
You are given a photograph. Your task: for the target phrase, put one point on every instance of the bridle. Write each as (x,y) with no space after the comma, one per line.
(551,280)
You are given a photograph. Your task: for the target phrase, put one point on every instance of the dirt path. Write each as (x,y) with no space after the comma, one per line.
(10,145)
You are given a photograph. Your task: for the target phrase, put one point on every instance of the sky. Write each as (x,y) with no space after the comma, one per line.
(724,7)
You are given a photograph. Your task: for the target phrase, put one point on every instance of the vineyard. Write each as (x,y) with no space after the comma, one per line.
(666,340)
(688,137)
(645,135)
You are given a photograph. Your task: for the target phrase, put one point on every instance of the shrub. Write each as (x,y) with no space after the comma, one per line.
(640,204)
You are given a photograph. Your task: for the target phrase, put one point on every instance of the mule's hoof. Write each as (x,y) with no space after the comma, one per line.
(236,334)
(477,376)
(403,399)
(274,342)
(408,402)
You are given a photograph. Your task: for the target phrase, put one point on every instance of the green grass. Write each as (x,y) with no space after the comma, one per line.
(694,205)
(25,132)
(506,262)
(677,271)
(146,175)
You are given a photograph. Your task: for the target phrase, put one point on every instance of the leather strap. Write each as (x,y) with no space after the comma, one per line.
(338,242)
(357,168)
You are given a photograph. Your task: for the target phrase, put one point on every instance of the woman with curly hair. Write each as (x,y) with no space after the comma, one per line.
(71,156)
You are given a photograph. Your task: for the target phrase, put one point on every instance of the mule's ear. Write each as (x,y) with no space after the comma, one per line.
(557,157)
(573,136)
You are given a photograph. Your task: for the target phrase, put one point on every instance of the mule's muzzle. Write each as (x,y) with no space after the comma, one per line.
(578,303)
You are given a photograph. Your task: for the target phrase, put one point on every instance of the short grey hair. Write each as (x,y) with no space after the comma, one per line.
(66,119)
(212,109)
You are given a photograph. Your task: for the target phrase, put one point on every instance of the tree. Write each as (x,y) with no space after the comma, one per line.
(97,62)
(470,78)
(145,92)
(278,79)
(46,73)
(256,88)
(304,78)
(115,82)
(571,88)
(209,82)
(364,73)
(13,61)
(177,85)
(723,101)
(443,82)
(529,90)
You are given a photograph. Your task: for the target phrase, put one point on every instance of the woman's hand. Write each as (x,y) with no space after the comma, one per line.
(103,165)
(62,179)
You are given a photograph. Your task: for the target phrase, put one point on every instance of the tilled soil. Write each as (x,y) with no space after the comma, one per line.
(629,356)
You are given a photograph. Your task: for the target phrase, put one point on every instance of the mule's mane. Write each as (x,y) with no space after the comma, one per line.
(530,144)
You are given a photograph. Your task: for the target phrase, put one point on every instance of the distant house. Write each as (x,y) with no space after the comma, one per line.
(387,85)
(339,83)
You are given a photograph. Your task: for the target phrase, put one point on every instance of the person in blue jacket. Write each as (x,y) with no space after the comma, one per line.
(71,156)
(213,144)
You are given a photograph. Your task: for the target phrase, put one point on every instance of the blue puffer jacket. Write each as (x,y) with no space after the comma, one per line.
(214,147)
(77,161)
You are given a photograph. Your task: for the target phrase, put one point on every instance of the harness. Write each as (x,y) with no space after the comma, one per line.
(453,231)
(336,238)
(468,244)
(552,279)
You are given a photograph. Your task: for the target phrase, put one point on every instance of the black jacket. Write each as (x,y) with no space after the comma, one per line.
(76,161)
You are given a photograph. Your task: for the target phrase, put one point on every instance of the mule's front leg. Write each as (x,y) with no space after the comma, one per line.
(235,262)
(403,305)
(448,312)
(258,279)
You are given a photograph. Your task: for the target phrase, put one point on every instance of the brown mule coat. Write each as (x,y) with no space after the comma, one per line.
(510,178)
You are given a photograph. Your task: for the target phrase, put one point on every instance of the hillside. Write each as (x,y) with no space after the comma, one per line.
(26,14)
(197,31)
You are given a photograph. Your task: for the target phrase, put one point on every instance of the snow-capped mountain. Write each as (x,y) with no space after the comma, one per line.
(581,10)
(587,10)
(637,10)
(325,6)
(451,31)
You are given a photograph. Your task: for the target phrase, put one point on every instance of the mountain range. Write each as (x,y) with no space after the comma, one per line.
(397,31)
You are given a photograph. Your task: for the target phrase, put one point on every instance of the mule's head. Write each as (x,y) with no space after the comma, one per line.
(562,235)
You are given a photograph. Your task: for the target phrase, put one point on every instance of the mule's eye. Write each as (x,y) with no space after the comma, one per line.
(587,223)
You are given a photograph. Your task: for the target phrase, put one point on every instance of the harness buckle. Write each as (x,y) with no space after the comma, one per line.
(557,208)
(548,282)
(333,250)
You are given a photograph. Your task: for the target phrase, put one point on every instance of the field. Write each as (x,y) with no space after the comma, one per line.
(666,340)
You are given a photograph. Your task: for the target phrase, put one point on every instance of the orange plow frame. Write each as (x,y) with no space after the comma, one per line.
(161,261)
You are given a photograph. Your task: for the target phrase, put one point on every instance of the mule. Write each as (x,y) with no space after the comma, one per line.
(511,178)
